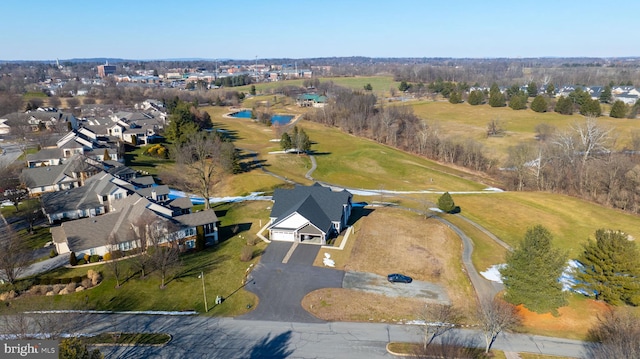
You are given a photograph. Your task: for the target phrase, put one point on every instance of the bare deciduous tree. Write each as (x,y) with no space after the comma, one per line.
(496,316)
(201,164)
(14,255)
(439,319)
(164,253)
(114,265)
(614,336)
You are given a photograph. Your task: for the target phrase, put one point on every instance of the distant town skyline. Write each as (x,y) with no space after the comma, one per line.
(45,30)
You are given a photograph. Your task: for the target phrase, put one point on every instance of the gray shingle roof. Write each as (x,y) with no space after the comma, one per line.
(198,218)
(329,202)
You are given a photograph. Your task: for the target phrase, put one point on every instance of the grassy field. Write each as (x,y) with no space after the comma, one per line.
(466,121)
(223,274)
(381,84)
(571,220)
(139,161)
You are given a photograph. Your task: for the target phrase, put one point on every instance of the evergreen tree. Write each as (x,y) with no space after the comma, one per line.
(404,86)
(496,99)
(618,110)
(368,87)
(446,204)
(539,104)
(476,97)
(532,89)
(550,90)
(518,101)
(252,91)
(532,271)
(610,268)
(455,97)
(564,106)
(73,260)
(591,108)
(285,141)
(106,156)
(605,95)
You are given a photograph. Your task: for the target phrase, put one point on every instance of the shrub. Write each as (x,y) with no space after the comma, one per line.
(94,258)
(76,279)
(94,276)
(65,281)
(73,260)
(246,254)
(445,203)
(82,261)
(107,256)
(53,253)
(86,282)
(45,281)
(56,281)
(71,287)
(86,258)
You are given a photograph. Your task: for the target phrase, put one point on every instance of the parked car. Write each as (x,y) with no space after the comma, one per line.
(399,278)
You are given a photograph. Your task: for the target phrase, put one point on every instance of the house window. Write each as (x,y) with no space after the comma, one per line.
(190,244)
(117,196)
(92,251)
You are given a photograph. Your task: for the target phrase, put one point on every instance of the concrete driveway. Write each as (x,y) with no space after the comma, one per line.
(378,284)
(281,286)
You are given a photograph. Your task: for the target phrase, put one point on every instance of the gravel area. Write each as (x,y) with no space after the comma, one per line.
(377,284)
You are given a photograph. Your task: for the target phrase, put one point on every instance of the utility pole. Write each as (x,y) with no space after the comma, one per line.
(204,293)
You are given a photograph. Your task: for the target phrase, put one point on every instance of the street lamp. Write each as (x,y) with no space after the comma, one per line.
(204,292)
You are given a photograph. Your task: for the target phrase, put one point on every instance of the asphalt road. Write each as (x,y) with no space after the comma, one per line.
(281,287)
(10,153)
(202,337)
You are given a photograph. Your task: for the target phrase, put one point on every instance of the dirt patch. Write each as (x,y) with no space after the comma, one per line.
(573,321)
(353,305)
(391,240)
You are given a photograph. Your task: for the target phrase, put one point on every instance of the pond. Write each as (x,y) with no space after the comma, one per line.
(275,119)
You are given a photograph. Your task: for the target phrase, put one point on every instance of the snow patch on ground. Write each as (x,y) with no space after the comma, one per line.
(567,278)
(140,312)
(493,273)
(254,196)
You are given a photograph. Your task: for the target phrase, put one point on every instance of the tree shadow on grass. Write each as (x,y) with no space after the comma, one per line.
(226,232)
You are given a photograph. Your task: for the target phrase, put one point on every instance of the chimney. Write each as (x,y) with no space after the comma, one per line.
(154,195)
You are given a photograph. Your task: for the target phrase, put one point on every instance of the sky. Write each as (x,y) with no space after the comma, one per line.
(217,29)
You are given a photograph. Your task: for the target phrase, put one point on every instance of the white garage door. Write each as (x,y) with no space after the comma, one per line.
(282,236)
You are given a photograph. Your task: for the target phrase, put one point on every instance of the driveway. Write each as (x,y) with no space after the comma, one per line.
(378,284)
(280,287)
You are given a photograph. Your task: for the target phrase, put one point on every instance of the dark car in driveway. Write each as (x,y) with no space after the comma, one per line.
(399,278)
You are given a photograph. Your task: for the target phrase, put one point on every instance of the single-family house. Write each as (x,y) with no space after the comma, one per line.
(310,214)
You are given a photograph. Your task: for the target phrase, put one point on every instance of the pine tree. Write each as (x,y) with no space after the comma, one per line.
(476,97)
(532,271)
(496,99)
(610,268)
(605,95)
(532,89)
(455,97)
(539,104)
(591,108)
(106,156)
(564,106)
(618,110)
(285,141)
(446,204)
(73,260)
(518,101)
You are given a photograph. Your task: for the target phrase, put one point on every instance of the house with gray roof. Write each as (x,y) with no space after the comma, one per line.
(92,235)
(311,214)
(67,175)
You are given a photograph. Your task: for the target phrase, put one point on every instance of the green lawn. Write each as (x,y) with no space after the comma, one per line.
(137,160)
(222,268)
(571,221)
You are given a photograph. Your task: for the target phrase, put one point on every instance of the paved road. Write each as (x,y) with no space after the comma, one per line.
(202,337)
(11,152)
(281,287)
